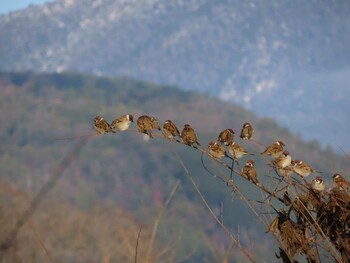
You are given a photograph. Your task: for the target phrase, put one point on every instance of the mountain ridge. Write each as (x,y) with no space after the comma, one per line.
(260,55)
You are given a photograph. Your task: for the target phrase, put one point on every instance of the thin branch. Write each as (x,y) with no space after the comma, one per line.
(237,190)
(41,243)
(84,136)
(345,153)
(212,213)
(137,243)
(157,220)
(228,253)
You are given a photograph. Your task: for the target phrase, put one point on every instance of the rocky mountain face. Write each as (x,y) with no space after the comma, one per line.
(289,60)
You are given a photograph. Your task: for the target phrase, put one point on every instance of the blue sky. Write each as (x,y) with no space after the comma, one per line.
(12,5)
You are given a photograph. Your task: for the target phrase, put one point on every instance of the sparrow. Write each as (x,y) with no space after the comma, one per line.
(340,182)
(247,131)
(318,184)
(170,130)
(302,169)
(249,172)
(237,151)
(275,150)
(123,122)
(155,124)
(286,171)
(188,135)
(145,124)
(216,150)
(283,161)
(226,137)
(102,126)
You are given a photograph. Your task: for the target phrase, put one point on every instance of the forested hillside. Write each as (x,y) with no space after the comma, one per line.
(124,170)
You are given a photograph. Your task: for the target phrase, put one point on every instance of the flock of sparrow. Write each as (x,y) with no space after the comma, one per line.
(282,161)
(329,209)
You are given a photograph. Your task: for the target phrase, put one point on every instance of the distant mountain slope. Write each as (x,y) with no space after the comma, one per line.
(288,60)
(38,110)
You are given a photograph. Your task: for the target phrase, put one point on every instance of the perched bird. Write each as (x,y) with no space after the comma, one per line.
(286,171)
(302,169)
(318,184)
(188,135)
(123,122)
(249,172)
(237,151)
(247,131)
(283,161)
(216,150)
(102,126)
(170,130)
(145,124)
(226,137)
(275,150)
(340,182)
(154,122)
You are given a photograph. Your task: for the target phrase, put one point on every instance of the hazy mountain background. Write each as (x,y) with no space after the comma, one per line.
(119,181)
(289,60)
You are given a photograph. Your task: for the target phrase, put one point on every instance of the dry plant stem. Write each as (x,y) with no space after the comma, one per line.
(137,243)
(263,215)
(257,142)
(41,243)
(228,253)
(184,258)
(231,172)
(172,256)
(157,220)
(164,251)
(170,259)
(230,183)
(84,136)
(223,177)
(236,189)
(205,167)
(211,248)
(78,137)
(238,173)
(130,248)
(330,247)
(222,211)
(345,153)
(243,250)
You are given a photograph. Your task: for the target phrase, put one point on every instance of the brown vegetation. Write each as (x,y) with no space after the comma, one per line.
(304,223)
